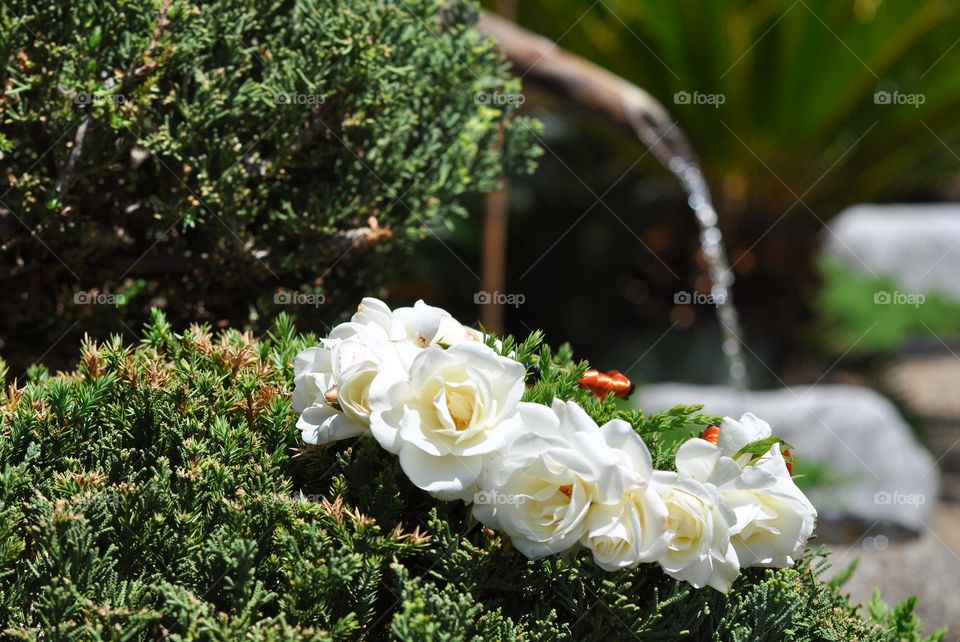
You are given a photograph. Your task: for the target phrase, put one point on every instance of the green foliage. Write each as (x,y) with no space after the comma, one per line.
(761,446)
(797,117)
(553,375)
(176,152)
(840,579)
(162,492)
(901,620)
(855,322)
(810,475)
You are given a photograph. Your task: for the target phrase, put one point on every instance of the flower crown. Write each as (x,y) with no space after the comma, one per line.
(428,390)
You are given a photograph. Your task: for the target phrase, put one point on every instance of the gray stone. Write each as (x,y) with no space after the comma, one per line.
(856,434)
(917,245)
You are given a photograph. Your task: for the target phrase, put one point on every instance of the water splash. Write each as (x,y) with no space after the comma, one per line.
(721,275)
(596,88)
(668,143)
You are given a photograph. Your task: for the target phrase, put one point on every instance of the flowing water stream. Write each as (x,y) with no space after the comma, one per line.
(721,275)
(668,143)
(584,83)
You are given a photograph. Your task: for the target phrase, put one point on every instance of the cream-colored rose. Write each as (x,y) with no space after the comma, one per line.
(539,490)
(420,325)
(773,518)
(332,385)
(457,408)
(698,522)
(634,529)
(376,348)
(734,434)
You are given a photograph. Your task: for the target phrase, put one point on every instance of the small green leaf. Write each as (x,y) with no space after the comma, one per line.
(844,576)
(94,39)
(760,447)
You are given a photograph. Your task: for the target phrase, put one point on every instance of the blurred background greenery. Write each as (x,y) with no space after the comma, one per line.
(797,108)
(818,110)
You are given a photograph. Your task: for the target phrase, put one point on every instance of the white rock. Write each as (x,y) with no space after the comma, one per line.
(854,432)
(917,245)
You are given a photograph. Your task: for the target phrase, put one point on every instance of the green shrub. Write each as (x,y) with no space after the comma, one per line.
(162,491)
(180,153)
(859,316)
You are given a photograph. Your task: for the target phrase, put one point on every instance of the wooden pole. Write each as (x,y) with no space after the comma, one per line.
(581,82)
(495,225)
(494,256)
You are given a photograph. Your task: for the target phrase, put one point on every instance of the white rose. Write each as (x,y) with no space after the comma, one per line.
(452,332)
(540,489)
(332,385)
(317,370)
(421,325)
(634,529)
(700,460)
(774,519)
(734,434)
(698,522)
(376,348)
(425,325)
(458,406)
(311,370)
(373,318)
(373,312)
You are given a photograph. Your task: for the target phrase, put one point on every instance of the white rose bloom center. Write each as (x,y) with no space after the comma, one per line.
(458,405)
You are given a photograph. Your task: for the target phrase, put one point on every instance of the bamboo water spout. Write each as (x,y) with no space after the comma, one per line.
(540,61)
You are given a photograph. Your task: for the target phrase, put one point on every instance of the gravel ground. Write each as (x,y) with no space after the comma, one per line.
(928,386)
(927,566)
